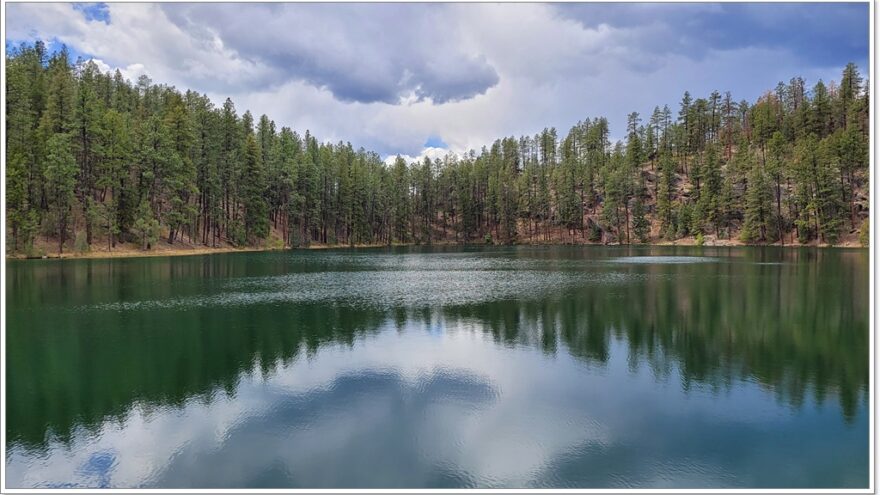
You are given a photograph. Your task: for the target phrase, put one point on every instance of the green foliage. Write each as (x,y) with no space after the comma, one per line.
(23,219)
(80,244)
(256,224)
(34,252)
(818,192)
(709,206)
(864,234)
(684,217)
(60,182)
(640,225)
(146,227)
(236,232)
(664,195)
(594,232)
(125,161)
(757,222)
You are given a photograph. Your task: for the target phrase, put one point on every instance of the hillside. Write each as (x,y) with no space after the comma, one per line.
(99,164)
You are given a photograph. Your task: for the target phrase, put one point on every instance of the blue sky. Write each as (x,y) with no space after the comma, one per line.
(421,78)
(98,11)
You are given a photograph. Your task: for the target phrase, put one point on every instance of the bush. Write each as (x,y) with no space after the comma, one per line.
(49,226)
(236,234)
(80,244)
(295,240)
(275,243)
(864,235)
(32,251)
(146,227)
(684,220)
(699,239)
(488,238)
(594,234)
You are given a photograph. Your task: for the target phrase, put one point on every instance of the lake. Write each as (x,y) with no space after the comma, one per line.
(496,367)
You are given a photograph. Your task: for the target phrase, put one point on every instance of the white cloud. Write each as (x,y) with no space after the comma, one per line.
(428,152)
(387,77)
(513,422)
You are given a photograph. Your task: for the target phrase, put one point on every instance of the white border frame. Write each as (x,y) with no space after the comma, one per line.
(872,341)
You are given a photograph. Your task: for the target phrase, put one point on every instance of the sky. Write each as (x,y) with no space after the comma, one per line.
(425,79)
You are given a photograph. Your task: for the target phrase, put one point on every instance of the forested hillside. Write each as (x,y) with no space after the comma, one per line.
(95,161)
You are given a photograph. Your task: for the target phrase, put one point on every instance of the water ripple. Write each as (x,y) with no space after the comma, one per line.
(664,260)
(384,289)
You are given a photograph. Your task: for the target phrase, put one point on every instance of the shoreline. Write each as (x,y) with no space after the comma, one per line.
(198,251)
(171,252)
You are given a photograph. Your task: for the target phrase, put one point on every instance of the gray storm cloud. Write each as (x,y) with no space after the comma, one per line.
(360,53)
(389,76)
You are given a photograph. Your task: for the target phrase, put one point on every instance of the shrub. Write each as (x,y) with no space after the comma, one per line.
(275,243)
(32,251)
(146,227)
(80,244)
(594,234)
(236,233)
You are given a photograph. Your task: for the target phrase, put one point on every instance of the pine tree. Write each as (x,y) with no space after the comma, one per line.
(664,195)
(22,216)
(60,176)
(756,224)
(819,121)
(146,227)
(710,195)
(149,159)
(112,177)
(179,177)
(640,225)
(400,200)
(850,87)
(256,223)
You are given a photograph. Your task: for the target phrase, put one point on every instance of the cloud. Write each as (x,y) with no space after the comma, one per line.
(316,421)
(139,34)
(432,152)
(389,76)
(377,53)
(814,33)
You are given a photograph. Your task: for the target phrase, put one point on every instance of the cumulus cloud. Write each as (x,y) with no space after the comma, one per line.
(430,152)
(376,53)
(139,34)
(389,76)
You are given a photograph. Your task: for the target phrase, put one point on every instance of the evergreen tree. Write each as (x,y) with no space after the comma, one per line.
(757,209)
(256,224)
(641,227)
(709,201)
(146,226)
(147,158)
(60,176)
(664,195)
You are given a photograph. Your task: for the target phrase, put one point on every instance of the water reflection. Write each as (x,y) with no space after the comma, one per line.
(574,370)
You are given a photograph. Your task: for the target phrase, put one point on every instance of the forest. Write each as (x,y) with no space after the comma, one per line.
(95,161)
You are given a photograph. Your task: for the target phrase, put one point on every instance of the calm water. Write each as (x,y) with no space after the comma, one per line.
(504,367)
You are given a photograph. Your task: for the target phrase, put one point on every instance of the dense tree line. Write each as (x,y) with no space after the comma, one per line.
(93,160)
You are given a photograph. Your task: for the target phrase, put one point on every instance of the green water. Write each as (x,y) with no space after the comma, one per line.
(498,367)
